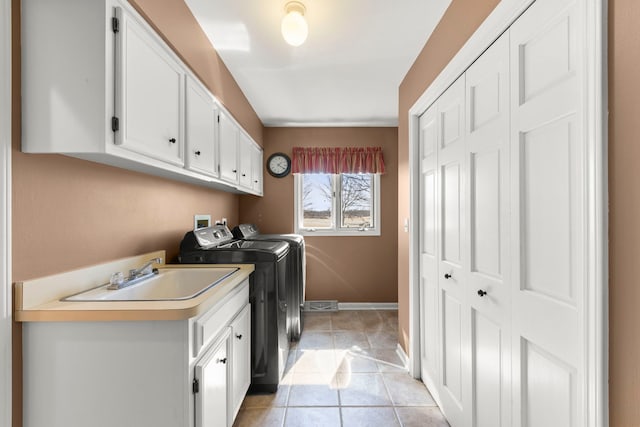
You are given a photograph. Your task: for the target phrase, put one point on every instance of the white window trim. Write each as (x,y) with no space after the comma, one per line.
(5,215)
(373,231)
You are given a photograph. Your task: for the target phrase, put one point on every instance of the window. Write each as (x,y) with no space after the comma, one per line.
(337,204)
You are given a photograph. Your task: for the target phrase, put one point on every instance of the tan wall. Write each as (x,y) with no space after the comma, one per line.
(624,213)
(349,269)
(69,213)
(459,22)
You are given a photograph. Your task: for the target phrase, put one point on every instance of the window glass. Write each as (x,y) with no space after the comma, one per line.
(317,201)
(333,205)
(356,209)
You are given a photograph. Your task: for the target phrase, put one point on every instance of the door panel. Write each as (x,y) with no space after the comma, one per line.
(451,193)
(487,344)
(487,134)
(486,222)
(550,389)
(548,201)
(429,311)
(547,163)
(452,348)
(452,239)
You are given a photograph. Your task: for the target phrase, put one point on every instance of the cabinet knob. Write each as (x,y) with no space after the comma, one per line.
(481,292)
(448,276)
(239,336)
(197,153)
(244,174)
(222,360)
(256,181)
(172,140)
(234,171)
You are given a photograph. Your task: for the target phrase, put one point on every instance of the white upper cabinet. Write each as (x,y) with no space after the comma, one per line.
(99,84)
(228,134)
(200,137)
(149,99)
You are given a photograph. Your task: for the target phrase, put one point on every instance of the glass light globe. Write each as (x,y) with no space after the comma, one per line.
(294,28)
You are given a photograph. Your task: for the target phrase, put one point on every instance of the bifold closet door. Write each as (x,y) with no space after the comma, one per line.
(454,316)
(488,284)
(549,205)
(429,319)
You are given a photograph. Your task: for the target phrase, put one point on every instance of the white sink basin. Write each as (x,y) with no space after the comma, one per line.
(169,284)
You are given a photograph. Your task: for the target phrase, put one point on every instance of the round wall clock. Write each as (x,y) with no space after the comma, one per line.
(279,165)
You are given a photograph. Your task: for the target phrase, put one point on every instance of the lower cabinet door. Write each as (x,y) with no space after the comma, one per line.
(241,355)
(211,385)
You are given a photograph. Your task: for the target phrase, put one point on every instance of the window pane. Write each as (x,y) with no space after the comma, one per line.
(317,201)
(357,201)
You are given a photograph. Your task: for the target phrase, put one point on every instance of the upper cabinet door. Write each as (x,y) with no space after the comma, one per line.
(228,143)
(200,135)
(256,169)
(149,93)
(245,161)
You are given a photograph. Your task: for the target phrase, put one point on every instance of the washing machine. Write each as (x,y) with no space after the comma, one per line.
(296,283)
(267,294)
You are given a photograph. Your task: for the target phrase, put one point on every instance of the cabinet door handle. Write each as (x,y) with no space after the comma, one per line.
(172,140)
(223,361)
(197,153)
(448,276)
(481,292)
(239,336)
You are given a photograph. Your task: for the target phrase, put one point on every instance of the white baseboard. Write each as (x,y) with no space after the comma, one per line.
(403,356)
(367,306)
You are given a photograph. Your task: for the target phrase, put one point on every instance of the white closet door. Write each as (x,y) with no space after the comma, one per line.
(489,293)
(454,331)
(429,319)
(548,203)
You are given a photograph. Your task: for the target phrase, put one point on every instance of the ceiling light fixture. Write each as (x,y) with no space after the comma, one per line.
(294,27)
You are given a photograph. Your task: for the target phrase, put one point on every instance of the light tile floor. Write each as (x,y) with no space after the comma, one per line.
(345,371)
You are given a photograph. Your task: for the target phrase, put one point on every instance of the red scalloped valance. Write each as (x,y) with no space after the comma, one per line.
(336,160)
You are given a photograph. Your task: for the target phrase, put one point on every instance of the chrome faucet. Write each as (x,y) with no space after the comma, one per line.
(144,270)
(136,275)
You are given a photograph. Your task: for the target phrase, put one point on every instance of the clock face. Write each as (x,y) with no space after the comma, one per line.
(279,165)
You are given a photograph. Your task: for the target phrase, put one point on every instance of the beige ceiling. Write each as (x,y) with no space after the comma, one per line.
(346,73)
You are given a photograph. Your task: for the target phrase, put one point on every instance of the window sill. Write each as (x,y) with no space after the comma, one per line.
(334,233)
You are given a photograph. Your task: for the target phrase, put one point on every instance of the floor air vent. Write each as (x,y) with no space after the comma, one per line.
(331,305)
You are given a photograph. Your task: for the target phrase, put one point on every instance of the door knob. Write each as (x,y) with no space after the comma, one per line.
(481,292)
(448,276)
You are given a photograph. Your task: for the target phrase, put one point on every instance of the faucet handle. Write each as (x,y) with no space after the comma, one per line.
(117,278)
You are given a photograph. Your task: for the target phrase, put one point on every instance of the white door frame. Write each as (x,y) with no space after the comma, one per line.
(5,214)
(594,32)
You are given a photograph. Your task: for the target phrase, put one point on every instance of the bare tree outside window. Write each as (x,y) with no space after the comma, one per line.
(317,201)
(356,201)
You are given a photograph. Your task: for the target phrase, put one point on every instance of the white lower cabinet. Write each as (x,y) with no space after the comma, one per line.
(171,373)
